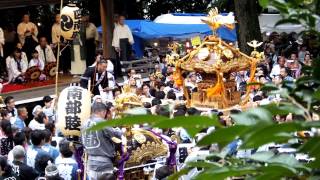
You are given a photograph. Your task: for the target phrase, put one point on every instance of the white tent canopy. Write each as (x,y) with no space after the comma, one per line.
(172,19)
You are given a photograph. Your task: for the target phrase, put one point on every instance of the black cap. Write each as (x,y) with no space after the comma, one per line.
(47,99)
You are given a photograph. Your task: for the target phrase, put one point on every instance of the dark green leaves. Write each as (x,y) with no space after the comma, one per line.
(312,147)
(286,21)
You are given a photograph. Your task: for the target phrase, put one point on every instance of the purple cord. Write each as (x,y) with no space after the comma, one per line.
(78,156)
(171,161)
(124,158)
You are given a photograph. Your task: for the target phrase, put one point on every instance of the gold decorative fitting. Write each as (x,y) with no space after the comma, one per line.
(215,20)
(149,147)
(126,99)
(254,44)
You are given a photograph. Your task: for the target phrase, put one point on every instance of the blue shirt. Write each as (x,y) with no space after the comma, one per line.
(288,78)
(33,154)
(53,152)
(19,123)
(67,168)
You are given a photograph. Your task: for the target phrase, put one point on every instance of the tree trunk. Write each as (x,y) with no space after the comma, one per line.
(246,14)
(106,12)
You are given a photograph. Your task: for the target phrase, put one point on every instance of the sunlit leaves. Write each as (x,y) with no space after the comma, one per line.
(264,3)
(223,136)
(193,124)
(283,108)
(252,117)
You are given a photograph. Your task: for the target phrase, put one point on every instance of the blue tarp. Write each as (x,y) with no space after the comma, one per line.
(150,30)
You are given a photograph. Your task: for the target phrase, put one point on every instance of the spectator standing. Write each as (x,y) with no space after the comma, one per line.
(66,164)
(11,108)
(35,151)
(48,108)
(276,68)
(22,170)
(53,152)
(56,30)
(122,39)
(40,165)
(294,65)
(20,120)
(98,76)
(38,123)
(18,139)
(6,140)
(27,32)
(285,74)
(101,151)
(65,56)
(5,169)
(122,42)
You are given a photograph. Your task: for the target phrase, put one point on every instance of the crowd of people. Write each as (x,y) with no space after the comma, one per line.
(37,150)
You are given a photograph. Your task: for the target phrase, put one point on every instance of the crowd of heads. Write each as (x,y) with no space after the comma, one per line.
(33,149)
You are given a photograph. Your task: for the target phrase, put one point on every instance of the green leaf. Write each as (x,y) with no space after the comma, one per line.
(307,80)
(189,122)
(223,136)
(310,124)
(286,21)
(281,6)
(314,164)
(316,94)
(287,160)
(262,156)
(311,147)
(283,108)
(313,178)
(275,133)
(269,87)
(224,172)
(283,92)
(253,116)
(128,121)
(202,164)
(279,170)
(264,3)
(179,174)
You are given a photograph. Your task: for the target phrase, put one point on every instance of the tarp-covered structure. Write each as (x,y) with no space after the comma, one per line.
(150,30)
(178,29)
